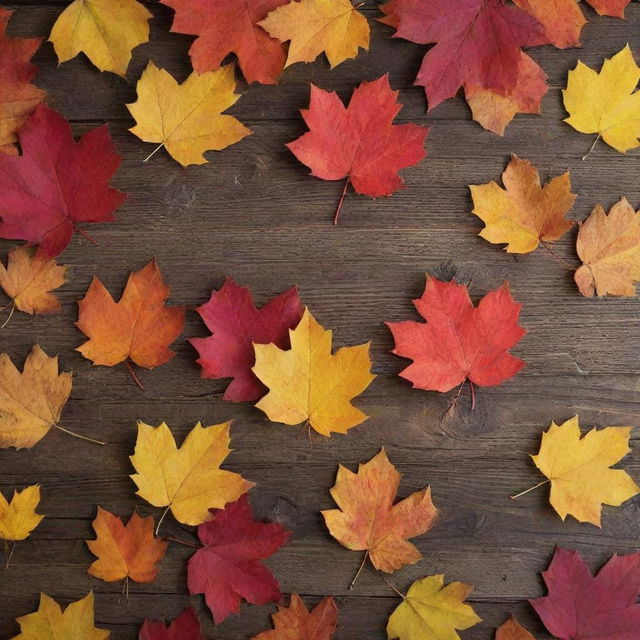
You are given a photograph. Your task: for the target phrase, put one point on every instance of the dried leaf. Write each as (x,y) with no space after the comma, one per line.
(18,518)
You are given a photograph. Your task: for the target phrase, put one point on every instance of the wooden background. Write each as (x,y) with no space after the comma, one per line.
(255,214)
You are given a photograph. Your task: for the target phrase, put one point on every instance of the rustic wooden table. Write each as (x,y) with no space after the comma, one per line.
(255,214)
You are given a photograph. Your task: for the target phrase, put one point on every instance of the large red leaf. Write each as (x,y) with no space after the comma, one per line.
(184,627)
(478,42)
(236,324)
(459,341)
(580,606)
(56,182)
(228,568)
(230,26)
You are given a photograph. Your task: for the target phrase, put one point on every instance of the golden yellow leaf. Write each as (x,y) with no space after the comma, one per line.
(308,382)
(29,278)
(367,520)
(18,518)
(30,402)
(604,103)
(432,611)
(188,480)
(106,31)
(187,118)
(49,622)
(314,26)
(523,213)
(578,468)
(609,247)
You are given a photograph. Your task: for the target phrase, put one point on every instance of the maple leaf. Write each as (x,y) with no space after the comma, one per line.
(184,627)
(367,520)
(186,119)
(125,551)
(359,142)
(512,630)
(581,606)
(28,279)
(18,97)
(228,569)
(613,8)
(494,111)
(523,214)
(334,27)
(49,622)
(477,44)
(604,103)
(432,611)
(139,327)
(296,622)
(561,20)
(459,341)
(578,468)
(106,31)
(31,402)
(72,185)
(186,480)
(309,383)
(18,518)
(230,26)
(609,247)
(236,324)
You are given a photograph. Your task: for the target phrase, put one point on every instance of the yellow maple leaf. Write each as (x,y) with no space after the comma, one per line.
(308,382)
(18,518)
(187,118)
(609,247)
(31,402)
(314,26)
(106,31)
(28,279)
(186,480)
(578,469)
(367,520)
(523,214)
(604,103)
(432,611)
(49,622)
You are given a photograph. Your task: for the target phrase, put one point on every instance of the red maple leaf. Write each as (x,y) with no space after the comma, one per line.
(230,26)
(56,182)
(184,627)
(459,341)
(236,324)
(228,568)
(359,142)
(580,606)
(478,43)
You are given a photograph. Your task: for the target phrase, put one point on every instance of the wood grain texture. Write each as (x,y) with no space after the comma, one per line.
(255,214)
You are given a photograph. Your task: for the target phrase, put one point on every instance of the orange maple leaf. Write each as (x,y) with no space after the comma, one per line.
(125,551)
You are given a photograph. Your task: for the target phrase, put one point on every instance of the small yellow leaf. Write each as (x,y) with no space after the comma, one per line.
(523,213)
(29,278)
(314,26)
(604,103)
(19,518)
(308,382)
(188,480)
(49,622)
(432,611)
(578,468)
(609,247)
(186,118)
(31,402)
(106,31)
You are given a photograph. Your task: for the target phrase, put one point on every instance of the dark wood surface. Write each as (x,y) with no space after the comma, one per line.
(255,214)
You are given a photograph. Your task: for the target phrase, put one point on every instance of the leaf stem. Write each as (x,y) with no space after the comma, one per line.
(556,256)
(183,542)
(452,404)
(77,435)
(529,489)
(392,587)
(133,373)
(7,553)
(366,555)
(6,322)
(86,236)
(586,155)
(473,395)
(162,517)
(153,153)
(336,217)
